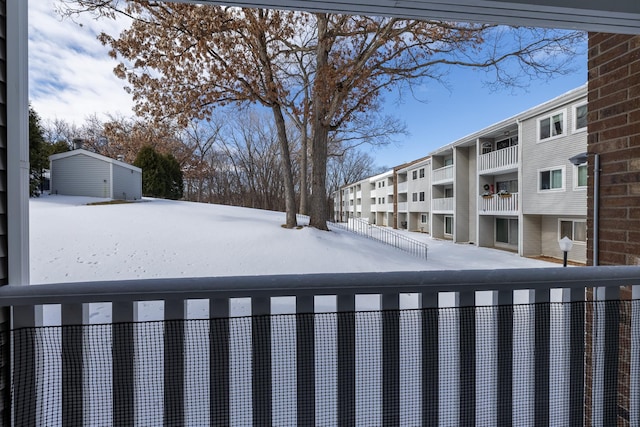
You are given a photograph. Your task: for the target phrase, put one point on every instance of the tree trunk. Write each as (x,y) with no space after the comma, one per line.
(318,210)
(320,131)
(285,164)
(304,167)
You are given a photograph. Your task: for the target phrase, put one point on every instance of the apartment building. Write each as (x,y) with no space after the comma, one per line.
(413,195)
(519,184)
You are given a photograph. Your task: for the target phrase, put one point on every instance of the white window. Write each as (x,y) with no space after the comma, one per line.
(448,225)
(423,218)
(580,176)
(576,230)
(448,192)
(422,196)
(422,173)
(414,175)
(448,161)
(414,197)
(551,179)
(551,126)
(579,117)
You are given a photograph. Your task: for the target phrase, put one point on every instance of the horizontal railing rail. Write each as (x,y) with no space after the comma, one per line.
(383,235)
(384,351)
(507,280)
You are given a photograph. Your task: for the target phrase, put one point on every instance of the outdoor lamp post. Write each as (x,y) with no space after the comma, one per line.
(565,246)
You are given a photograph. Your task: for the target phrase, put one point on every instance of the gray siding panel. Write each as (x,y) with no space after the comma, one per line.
(550,247)
(473,191)
(81,175)
(461,194)
(127,183)
(552,153)
(532,235)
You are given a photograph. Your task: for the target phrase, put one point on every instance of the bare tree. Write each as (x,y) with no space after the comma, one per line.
(182,60)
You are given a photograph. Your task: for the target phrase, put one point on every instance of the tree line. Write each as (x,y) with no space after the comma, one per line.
(231,159)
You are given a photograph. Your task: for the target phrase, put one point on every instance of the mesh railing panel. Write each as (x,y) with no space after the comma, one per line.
(369,369)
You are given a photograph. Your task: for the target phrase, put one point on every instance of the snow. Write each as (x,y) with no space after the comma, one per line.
(71,241)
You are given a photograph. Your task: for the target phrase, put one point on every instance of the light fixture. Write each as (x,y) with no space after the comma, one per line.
(565,246)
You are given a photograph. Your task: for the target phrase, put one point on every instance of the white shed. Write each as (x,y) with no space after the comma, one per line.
(83,173)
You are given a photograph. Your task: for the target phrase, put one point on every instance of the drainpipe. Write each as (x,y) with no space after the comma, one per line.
(596,207)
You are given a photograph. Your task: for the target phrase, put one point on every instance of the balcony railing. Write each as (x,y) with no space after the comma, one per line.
(403,187)
(403,206)
(499,204)
(444,204)
(338,349)
(441,175)
(506,158)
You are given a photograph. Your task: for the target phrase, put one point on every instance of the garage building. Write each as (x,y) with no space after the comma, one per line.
(83,173)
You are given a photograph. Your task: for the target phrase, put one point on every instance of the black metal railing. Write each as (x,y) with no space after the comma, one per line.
(383,235)
(334,349)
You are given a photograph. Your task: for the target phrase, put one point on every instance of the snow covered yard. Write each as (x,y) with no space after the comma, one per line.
(71,241)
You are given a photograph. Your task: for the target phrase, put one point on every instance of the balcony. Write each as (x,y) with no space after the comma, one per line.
(359,194)
(499,204)
(442,205)
(334,349)
(498,161)
(443,175)
(403,207)
(403,187)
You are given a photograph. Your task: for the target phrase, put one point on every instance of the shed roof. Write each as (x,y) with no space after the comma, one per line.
(95,156)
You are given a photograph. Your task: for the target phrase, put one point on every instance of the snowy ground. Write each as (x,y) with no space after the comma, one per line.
(72,241)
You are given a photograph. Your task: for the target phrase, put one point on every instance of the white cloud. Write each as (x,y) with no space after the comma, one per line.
(70,72)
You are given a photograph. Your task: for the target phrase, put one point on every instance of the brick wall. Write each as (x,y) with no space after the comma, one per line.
(614,134)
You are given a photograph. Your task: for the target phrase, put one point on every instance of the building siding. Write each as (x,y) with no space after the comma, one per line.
(549,242)
(4,266)
(554,153)
(81,175)
(532,230)
(5,355)
(472,194)
(461,194)
(124,187)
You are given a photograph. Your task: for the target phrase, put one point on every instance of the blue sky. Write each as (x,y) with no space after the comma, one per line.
(465,107)
(71,78)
